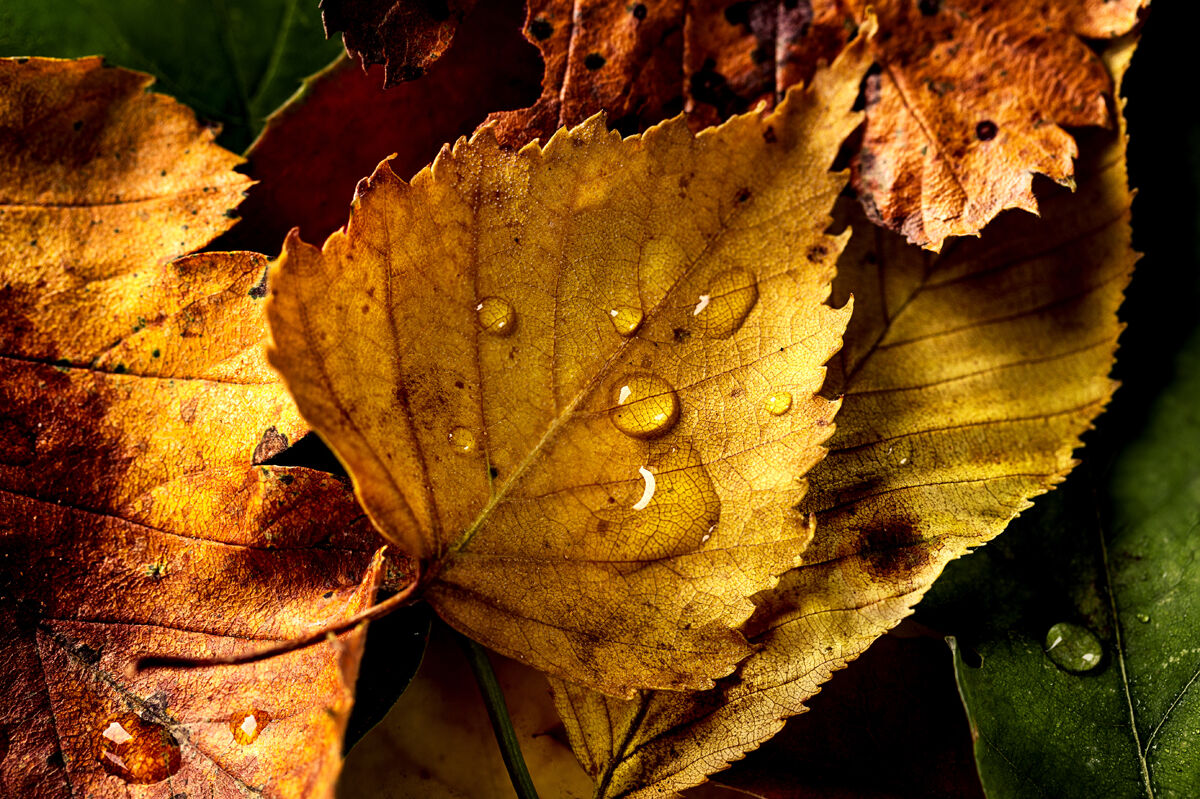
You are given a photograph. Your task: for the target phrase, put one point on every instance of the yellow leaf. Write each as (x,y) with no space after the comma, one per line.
(437,742)
(135,403)
(556,377)
(967,381)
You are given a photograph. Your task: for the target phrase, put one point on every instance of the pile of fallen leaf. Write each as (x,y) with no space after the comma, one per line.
(679,386)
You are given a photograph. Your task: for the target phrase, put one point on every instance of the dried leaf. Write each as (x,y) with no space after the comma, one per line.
(315,150)
(406,36)
(577,382)
(967,380)
(437,741)
(133,399)
(966,105)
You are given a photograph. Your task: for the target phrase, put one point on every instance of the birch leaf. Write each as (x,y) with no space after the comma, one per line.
(967,379)
(577,382)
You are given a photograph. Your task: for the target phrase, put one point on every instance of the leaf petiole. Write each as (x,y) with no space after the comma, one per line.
(493,700)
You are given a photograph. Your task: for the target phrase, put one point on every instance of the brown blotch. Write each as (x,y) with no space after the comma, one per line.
(273,442)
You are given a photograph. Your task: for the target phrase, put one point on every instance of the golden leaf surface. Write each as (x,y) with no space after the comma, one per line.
(135,401)
(967,380)
(437,741)
(558,378)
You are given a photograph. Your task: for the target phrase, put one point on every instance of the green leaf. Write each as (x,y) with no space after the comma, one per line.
(232,61)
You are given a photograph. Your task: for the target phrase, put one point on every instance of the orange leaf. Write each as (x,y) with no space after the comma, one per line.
(134,403)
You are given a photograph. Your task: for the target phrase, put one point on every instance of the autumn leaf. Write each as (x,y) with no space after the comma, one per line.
(406,36)
(966,103)
(315,149)
(134,405)
(967,380)
(437,741)
(577,382)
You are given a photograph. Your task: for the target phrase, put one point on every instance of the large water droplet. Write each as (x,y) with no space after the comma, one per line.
(677,512)
(779,403)
(645,406)
(626,319)
(246,726)
(1143,618)
(137,751)
(463,440)
(1073,648)
(723,308)
(496,315)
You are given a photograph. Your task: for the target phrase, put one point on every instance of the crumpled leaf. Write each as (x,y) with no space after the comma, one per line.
(406,36)
(134,403)
(966,105)
(472,343)
(967,379)
(234,63)
(437,741)
(315,149)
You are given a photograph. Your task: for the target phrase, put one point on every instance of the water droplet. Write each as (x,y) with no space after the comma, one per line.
(779,403)
(626,319)
(496,315)
(246,726)
(678,510)
(463,440)
(137,751)
(648,490)
(1143,618)
(722,309)
(1073,648)
(645,406)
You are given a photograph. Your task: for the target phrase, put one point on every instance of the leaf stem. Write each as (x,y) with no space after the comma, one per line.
(493,700)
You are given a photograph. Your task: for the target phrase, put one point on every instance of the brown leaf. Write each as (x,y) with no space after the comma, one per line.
(314,151)
(133,398)
(406,36)
(966,105)
(577,381)
(967,381)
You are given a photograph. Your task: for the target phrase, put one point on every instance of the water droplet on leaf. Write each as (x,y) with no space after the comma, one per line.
(1073,648)
(1143,618)
(645,406)
(724,307)
(626,319)
(246,726)
(496,315)
(463,440)
(779,403)
(137,751)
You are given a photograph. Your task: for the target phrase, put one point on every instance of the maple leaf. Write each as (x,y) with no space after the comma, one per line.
(966,105)
(315,149)
(134,404)
(406,36)
(577,382)
(967,380)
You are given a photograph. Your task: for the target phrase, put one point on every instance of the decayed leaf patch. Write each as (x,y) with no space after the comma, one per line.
(967,379)
(134,401)
(967,103)
(577,381)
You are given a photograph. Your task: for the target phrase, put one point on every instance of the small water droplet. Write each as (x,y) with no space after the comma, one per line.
(626,319)
(137,751)
(496,315)
(645,406)
(1143,618)
(724,307)
(463,440)
(246,726)
(1073,648)
(779,403)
